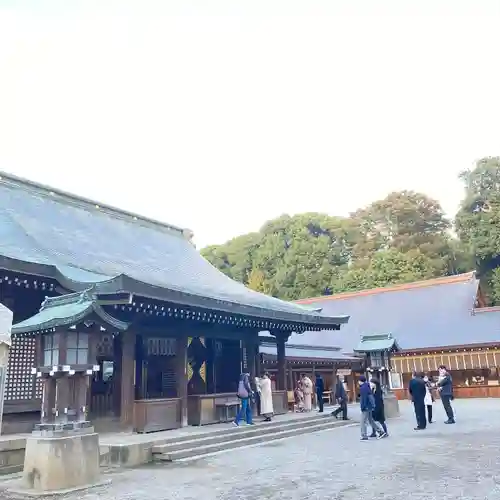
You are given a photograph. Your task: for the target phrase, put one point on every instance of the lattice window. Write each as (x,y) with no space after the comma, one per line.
(21,384)
(77,348)
(50,349)
(161,347)
(105,345)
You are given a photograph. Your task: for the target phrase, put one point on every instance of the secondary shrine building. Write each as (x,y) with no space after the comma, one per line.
(165,334)
(425,324)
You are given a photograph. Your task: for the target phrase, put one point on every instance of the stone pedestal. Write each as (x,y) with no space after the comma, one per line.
(391,405)
(61,457)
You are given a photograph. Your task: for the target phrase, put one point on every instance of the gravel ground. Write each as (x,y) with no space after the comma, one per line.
(443,462)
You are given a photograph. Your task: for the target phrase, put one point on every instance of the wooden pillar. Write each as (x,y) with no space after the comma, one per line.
(117,370)
(62,398)
(48,400)
(281,379)
(82,384)
(291,384)
(140,393)
(127,379)
(258,367)
(251,346)
(181,377)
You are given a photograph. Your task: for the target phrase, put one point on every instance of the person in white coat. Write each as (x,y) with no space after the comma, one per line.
(307,389)
(266,397)
(429,398)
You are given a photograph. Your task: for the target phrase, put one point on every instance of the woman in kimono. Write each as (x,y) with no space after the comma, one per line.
(299,397)
(266,397)
(307,389)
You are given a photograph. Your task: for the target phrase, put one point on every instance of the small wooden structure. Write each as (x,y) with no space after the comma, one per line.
(378,350)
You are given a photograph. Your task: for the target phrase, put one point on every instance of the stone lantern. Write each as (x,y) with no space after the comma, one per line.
(378,350)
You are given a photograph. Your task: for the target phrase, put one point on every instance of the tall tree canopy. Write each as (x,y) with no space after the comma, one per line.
(478,220)
(402,238)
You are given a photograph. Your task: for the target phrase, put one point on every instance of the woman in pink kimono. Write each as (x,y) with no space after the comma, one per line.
(307,389)
(299,397)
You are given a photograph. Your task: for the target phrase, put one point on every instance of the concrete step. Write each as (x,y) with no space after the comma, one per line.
(209,445)
(232,432)
(231,429)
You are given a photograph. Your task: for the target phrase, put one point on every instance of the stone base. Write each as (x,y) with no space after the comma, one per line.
(61,461)
(391,405)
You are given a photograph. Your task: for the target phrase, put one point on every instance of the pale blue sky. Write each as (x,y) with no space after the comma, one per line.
(217,115)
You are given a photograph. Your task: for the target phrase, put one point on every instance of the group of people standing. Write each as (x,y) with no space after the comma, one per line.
(422,389)
(261,395)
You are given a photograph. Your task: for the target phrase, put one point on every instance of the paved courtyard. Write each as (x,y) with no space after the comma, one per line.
(443,462)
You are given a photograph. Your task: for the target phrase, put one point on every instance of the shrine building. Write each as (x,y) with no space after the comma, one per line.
(122,317)
(422,325)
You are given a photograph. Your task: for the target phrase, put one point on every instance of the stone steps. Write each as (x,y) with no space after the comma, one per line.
(195,447)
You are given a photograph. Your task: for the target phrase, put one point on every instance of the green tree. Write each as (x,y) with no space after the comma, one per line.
(387,267)
(234,258)
(257,281)
(494,285)
(404,221)
(477,221)
(404,237)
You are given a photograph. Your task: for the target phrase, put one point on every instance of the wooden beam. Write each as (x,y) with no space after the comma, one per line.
(127,379)
(280,344)
(182,377)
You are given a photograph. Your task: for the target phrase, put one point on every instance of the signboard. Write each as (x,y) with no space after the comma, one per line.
(343,372)
(5,329)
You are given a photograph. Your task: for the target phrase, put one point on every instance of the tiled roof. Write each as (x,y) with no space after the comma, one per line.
(425,314)
(373,343)
(309,353)
(445,280)
(80,242)
(65,310)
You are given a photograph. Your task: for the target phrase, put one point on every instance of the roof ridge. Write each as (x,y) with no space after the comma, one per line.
(443,280)
(86,203)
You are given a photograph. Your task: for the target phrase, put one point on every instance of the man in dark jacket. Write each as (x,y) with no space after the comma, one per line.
(341,398)
(418,389)
(445,388)
(367,405)
(320,389)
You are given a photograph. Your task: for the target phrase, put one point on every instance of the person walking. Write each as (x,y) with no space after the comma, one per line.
(429,398)
(379,410)
(244,394)
(341,398)
(307,389)
(266,397)
(418,389)
(367,405)
(320,389)
(445,388)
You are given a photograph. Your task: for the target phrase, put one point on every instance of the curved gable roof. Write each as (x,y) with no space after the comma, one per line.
(80,242)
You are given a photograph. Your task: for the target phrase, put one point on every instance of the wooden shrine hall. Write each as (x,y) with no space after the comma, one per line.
(122,316)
